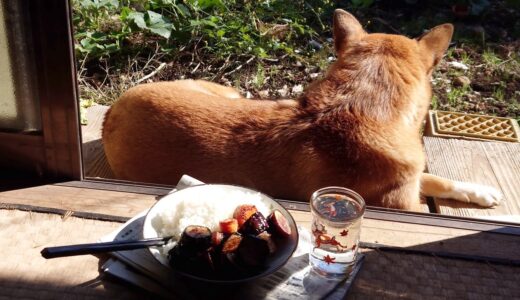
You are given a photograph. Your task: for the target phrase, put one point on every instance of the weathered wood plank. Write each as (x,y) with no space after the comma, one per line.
(374,231)
(490,163)
(25,274)
(505,163)
(94,159)
(80,199)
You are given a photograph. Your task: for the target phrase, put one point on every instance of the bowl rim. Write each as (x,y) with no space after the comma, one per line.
(228,281)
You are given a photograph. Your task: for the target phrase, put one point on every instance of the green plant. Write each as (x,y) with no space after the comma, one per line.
(499,94)
(221,27)
(453,95)
(259,77)
(464,58)
(490,58)
(435,102)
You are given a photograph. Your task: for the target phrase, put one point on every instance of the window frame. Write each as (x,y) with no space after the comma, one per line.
(56,153)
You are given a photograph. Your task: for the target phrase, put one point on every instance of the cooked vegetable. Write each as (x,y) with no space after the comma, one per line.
(270,243)
(195,238)
(241,246)
(253,251)
(278,224)
(232,243)
(229,226)
(255,225)
(216,238)
(208,260)
(199,262)
(243,212)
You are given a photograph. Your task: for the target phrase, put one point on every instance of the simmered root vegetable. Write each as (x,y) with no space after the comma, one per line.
(229,226)
(243,245)
(255,225)
(196,238)
(232,243)
(243,212)
(278,223)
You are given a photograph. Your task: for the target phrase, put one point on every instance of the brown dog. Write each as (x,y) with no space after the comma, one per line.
(358,128)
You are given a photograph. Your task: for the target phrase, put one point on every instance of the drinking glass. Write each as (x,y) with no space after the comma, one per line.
(336,222)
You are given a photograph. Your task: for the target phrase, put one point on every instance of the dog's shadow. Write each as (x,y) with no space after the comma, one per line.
(95,162)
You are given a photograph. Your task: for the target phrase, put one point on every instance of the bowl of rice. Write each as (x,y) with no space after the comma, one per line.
(207,205)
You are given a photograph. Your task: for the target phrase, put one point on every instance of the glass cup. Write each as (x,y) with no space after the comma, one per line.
(336,222)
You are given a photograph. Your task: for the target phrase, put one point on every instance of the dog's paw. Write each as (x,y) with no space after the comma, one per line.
(475,193)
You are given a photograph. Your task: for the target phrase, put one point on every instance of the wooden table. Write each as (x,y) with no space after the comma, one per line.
(36,217)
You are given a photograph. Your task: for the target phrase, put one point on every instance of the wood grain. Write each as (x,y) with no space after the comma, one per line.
(80,199)
(374,231)
(494,164)
(94,160)
(25,274)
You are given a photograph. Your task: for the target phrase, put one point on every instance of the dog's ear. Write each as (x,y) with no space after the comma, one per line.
(434,43)
(346,29)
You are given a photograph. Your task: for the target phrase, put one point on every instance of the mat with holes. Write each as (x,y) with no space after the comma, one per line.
(472,126)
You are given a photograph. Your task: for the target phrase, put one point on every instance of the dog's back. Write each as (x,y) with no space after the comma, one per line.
(358,127)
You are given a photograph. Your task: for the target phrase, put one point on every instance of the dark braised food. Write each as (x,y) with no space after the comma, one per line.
(255,225)
(243,212)
(278,223)
(253,251)
(228,254)
(232,243)
(196,238)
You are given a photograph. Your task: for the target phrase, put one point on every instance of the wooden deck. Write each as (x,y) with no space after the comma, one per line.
(496,164)
(385,274)
(492,163)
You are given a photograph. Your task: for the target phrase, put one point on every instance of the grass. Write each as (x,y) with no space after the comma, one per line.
(491,58)
(435,102)
(259,78)
(260,47)
(455,94)
(499,94)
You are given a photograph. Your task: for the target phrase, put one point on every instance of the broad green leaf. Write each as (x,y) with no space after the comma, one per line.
(209,23)
(206,4)
(221,33)
(183,10)
(155,18)
(125,11)
(138,19)
(108,3)
(159,24)
(162,31)
(98,36)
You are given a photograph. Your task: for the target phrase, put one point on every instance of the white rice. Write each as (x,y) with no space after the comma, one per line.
(199,208)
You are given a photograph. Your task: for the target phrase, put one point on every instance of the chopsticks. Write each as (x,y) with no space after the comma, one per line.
(92,248)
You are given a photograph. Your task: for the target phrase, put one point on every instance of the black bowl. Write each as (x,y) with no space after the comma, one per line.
(277,260)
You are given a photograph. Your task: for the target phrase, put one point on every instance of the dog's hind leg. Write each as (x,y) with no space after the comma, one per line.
(404,196)
(435,186)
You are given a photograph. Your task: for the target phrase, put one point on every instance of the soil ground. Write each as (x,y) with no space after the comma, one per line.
(480,72)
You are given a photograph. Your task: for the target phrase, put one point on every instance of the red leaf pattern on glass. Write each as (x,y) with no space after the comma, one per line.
(329,259)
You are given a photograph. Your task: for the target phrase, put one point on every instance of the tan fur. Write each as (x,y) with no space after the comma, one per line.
(358,127)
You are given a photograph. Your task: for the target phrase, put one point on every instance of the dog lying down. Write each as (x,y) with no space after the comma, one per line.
(358,127)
